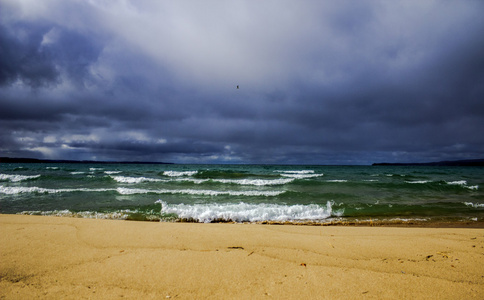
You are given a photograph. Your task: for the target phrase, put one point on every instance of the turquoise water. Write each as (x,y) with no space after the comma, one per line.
(244,193)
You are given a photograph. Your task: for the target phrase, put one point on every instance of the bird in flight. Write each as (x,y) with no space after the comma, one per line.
(237,87)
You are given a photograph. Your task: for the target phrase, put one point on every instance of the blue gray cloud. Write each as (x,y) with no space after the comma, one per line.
(325,83)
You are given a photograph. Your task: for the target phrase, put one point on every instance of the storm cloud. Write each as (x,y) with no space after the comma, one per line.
(347,82)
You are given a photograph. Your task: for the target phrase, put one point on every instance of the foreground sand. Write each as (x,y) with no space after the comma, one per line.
(51,257)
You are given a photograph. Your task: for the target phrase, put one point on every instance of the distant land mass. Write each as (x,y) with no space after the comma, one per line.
(62,161)
(457,163)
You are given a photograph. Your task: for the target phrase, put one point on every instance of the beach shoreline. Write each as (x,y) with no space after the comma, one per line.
(379,223)
(52,257)
(347,222)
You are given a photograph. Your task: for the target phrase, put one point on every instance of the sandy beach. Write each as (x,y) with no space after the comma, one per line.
(57,258)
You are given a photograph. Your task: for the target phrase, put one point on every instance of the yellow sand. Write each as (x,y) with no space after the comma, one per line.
(58,258)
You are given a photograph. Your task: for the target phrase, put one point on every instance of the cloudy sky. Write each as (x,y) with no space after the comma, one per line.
(321,82)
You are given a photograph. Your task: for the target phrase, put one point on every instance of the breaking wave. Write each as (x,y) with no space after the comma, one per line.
(126,191)
(130,191)
(257,182)
(463,183)
(125,179)
(474,205)
(247,212)
(179,173)
(17,178)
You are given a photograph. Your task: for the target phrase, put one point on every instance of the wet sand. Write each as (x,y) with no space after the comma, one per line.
(51,257)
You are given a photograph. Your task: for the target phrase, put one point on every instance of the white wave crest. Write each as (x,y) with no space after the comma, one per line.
(337,180)
(77,173)
(179,173)
(463,183)
(112,172)
(127,191)
(296,171)
(301,176)
(257,182)
(245,212)
(17,178)
(13,190)
(475,205)
(419,181)
(125,179)
(458,182)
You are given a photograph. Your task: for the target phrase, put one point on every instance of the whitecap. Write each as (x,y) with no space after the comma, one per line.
(179,173)
(246,212)
(419,181)
(475,205)
(463,183)
(458,182)
(112,172)
(17,178)
(301,176)
(125,179)
(13,190)
(256,182)
(128,191)
(296,171)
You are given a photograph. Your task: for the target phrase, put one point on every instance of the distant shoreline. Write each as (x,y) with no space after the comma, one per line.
(456,163)
(63,161)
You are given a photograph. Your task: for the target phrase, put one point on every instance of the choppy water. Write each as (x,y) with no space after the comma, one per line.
(245,193)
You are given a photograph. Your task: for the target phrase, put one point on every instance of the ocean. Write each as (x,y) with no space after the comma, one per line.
(245,193)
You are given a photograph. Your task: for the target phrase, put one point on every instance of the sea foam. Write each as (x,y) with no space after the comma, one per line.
(13,190)
(117,215)
(246,212)
(419,181)
(125,179)
(17,178)
(296,171)
(128,191)
(257,182)
(9,190)
(254,182)
(463,183)
(112,172)
(299,174)
(179,173)
(475,205)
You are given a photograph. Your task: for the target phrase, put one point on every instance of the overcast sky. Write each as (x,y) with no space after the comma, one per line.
(321,82)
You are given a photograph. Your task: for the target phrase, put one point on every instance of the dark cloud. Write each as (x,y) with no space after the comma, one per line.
(21,58)
(345,82)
